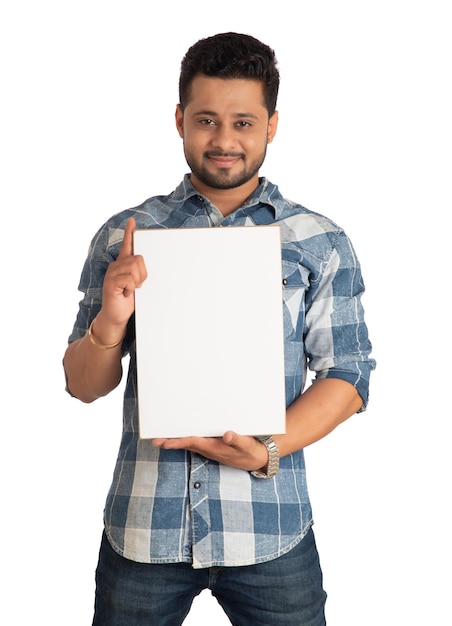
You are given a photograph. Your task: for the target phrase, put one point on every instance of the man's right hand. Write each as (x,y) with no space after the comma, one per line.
(93,363)
(123,276)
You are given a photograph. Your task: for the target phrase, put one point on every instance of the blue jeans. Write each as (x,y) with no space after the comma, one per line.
(284,592)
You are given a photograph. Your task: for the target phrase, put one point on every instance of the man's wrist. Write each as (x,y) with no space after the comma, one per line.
(98,343)
(272,466)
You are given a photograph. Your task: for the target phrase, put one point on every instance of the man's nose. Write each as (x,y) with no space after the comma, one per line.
(224,138)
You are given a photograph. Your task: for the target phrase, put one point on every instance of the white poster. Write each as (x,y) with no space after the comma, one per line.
(209,329)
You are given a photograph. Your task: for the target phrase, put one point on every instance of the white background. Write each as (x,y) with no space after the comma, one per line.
(87,108)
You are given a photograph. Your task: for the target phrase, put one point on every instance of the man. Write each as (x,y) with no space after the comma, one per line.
(231,514)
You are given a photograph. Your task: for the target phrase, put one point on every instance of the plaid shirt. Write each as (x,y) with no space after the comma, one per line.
(168,506)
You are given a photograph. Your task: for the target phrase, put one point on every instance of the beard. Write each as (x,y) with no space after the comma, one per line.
(223,178)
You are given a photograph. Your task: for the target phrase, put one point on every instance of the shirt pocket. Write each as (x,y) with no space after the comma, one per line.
(295,282)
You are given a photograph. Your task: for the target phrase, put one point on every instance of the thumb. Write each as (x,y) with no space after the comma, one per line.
(127,243)
(230,438)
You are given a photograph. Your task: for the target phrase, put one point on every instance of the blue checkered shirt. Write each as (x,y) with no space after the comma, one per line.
(169,506)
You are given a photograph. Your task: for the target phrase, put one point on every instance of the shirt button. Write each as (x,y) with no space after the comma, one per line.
(284,282)
(197,485)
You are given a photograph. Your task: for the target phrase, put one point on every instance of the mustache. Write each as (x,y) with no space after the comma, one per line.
(219,153)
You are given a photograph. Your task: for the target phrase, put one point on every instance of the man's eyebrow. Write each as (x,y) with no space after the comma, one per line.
(214,114)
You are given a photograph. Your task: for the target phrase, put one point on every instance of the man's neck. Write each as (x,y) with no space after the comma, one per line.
(226,200)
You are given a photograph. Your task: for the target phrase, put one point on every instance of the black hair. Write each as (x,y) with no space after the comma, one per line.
(231,55)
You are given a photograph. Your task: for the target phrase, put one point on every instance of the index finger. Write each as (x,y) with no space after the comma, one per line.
(127,243)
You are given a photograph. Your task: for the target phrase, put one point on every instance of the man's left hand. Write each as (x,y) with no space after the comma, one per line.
(240,451)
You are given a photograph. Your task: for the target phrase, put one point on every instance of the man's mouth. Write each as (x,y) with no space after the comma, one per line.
(223,160)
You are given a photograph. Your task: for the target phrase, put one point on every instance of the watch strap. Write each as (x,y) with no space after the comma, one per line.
(273,458)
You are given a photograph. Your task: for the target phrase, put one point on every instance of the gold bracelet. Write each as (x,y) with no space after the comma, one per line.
(101,345)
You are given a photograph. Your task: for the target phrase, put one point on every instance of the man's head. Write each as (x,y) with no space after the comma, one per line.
(226,115)
(228,56)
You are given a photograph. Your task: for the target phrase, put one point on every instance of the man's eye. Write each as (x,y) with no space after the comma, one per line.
(243,124)
(207,122)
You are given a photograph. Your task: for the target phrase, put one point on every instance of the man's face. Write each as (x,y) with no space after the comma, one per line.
(225,128)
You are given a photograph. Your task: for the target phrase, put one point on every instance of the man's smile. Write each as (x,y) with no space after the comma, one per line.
(223,160)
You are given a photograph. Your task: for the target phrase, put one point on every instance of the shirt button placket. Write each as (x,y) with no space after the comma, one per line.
(199,507)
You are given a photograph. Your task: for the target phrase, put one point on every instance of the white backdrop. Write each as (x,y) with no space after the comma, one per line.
(89,90)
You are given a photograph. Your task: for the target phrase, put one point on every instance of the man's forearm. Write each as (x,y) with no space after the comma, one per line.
(92,368)
(318,411)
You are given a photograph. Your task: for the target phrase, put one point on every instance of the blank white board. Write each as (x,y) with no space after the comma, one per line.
(209,332)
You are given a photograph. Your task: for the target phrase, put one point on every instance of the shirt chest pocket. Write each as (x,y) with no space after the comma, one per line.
(295,282)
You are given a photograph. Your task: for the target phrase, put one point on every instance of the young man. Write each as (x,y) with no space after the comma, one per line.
(231,514)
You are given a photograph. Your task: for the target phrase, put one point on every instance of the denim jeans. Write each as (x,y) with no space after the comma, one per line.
(283,592)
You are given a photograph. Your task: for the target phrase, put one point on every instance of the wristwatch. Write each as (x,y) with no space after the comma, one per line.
(273,458)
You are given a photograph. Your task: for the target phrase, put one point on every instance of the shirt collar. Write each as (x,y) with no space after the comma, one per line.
(266,193)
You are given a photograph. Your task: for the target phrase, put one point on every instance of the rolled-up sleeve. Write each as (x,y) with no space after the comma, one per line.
(336,336)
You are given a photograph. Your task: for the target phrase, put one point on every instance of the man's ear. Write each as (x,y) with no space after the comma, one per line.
(272,127)
(180,121)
